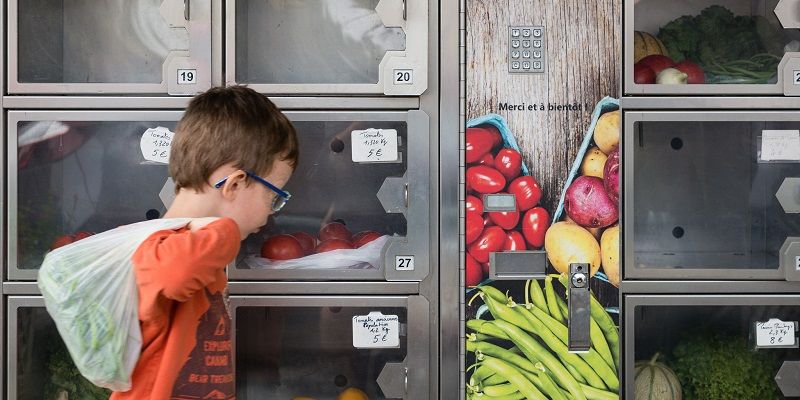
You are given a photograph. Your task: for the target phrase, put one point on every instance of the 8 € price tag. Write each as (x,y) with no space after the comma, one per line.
(155,144)
(374,145)
(776,333)
(376,330)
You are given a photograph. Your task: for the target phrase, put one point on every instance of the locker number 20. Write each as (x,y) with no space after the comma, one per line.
(404,77)
(404,263)
(187,76)
(797,77)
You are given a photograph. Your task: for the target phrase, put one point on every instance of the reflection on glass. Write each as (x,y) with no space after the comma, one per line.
(711,349)
(283,353)
(79,178)
(311,41)
(710,198)
(710,41)
(85,41)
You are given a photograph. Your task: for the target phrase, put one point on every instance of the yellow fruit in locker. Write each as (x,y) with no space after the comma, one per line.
(645,44)
(609,250)
(568,243)
(606,132)
(352,394)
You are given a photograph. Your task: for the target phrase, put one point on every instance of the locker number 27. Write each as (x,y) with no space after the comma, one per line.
(404,263)
(187,76)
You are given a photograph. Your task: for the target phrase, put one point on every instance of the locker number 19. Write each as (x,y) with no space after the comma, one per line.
(187,76)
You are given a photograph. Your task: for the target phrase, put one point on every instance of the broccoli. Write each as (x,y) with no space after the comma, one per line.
(65,379)
(712,366)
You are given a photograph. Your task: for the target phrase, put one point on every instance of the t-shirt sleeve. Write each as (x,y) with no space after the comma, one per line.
(179,263)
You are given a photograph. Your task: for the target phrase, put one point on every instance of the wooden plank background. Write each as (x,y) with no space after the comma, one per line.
(583,49)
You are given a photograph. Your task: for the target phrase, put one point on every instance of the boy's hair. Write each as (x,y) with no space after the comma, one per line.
(229,125)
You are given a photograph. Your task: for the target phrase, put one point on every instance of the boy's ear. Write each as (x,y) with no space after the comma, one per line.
(234,184)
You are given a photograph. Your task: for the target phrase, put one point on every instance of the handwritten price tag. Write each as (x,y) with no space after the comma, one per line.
(780,145)
(155,144)
(374,145)
(775,333)
(376,331)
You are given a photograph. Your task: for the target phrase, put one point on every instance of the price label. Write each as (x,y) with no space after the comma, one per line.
(776,333)
(374,145)
(404,263)
(155,144)
(780,145)
(797,263)
(796,77)
(187,76)
(376,331)
(403,76)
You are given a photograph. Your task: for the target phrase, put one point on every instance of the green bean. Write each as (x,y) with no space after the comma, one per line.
(494,379)
(514,377)
(536,295)
(551,388)
(550,294)
(493,293)
(485,328)
(480,374)
(598,394)
(603,320)
(598,340)
(500,390)
(575,373)
(512,396)
(533,350)
(592,358)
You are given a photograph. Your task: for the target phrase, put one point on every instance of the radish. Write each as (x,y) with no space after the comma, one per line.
(588,204)
(657,62)
(693,71)
(642,74)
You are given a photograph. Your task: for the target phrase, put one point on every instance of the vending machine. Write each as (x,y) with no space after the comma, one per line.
(92,92)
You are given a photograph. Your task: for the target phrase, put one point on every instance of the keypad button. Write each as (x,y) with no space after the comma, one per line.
(526,43)
(537,43)
(515,32)
(526,32)
(515,64)
(537,33)
(515,54)
(537,54)
(526,54)
(515,43)
(537,65)
(526,65)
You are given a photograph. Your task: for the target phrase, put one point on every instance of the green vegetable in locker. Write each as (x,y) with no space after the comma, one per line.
(66,380)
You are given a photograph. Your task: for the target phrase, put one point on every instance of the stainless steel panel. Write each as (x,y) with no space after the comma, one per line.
(330,339)
(77,46)
(631,103)
(138,102)
(645,316)
(722,220)
(676,286)
(78,182)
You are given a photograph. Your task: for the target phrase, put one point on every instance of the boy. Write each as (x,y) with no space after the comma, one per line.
(231,153)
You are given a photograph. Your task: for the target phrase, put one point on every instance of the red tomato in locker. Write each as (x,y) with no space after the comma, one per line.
(364,237)
(479,141)
(490,241)
(487,160)
(514,242)
(281,247)
(509,163)
(307,242)
(474,205)
(62,241)
(485,179)
(333,244)
(527,192)
(335,230)
(534,226)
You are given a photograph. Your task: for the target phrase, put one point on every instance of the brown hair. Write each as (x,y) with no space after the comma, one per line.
(229,125)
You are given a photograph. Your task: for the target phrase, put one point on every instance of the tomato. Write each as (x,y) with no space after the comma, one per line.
(479,141)
(473,227)
(474,205)
(307,242)
(281,247)
(473,272)
(335,230)
(534,225)
(487,220)
(62,241)
(486,160)
(364,237)
(333,244)
(497,139)
(484,179)
(82,235)
(505,219)
(527,192)
(514,242)
(509,163)
(485,269)
(490,241)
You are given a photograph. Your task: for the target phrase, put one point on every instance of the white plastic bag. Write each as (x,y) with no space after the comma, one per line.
(364,257)
(89,289)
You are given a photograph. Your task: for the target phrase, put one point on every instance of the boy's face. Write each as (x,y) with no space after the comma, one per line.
(252,205)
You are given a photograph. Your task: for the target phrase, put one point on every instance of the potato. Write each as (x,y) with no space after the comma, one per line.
(593,163)
(609,249)
(596,232)
(606,132)
(568,243)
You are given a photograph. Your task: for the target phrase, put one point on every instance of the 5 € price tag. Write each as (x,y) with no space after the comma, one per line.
(376,330)
(776,333)
(374,145)
(155,144)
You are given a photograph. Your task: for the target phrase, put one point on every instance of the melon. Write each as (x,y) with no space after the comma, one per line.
(655,381)
(645,44)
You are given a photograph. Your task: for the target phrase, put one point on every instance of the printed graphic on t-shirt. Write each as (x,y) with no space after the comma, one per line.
(208,373)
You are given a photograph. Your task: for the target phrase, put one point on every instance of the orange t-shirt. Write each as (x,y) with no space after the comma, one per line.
(186,343)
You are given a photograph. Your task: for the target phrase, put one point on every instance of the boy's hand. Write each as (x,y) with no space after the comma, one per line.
(197,223)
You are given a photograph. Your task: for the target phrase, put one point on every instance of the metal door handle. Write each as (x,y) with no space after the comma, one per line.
(405,383)
(186,8)
(579,316)
(404,10)
(405,194)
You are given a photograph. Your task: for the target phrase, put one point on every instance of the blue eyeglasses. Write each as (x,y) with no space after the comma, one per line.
(277,202)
